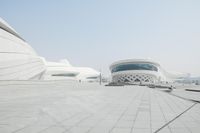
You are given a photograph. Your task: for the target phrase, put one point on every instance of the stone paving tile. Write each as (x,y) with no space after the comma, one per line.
(165,130)
(99,129)
(141,130)
(124,124)
(121,130)
(179,130)
(188,94)
(78,130)
(54,129)
(187,122)
(90,108)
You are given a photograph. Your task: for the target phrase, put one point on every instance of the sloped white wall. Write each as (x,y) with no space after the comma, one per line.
(18,61)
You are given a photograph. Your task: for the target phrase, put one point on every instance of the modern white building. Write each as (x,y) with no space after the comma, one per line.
(87,74)
(141,71)
(18,61)
(59,71)
(63,70)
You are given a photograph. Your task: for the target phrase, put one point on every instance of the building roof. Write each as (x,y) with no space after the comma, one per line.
(5,26)
(127,61)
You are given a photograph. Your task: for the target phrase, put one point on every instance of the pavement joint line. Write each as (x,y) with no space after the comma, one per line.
(83,119)
(165,100)
(126,109)
(20,129)
(175,118)
(57,123)
(132,128)
(162,113)
(192,90)
(187,99)
(89,130)
(174,112)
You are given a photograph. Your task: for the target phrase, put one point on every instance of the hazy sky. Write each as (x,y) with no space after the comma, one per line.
(95,33)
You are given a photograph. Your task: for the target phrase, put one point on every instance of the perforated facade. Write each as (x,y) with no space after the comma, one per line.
(135,71)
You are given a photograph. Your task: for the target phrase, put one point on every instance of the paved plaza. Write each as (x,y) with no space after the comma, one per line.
(70,107)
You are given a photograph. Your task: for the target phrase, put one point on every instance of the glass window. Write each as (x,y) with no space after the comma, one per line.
(65,74)
(139,66)
(92,77)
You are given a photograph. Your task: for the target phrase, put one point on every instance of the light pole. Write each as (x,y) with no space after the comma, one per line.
(100,77)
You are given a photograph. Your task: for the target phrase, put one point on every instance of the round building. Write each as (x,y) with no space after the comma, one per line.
(135,71)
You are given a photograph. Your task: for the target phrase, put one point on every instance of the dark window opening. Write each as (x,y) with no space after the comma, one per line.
(65,75)
(137,80)
(92,77)
(126,80)
(139,66)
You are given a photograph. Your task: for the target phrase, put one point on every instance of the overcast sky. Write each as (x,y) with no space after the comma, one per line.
(96,33)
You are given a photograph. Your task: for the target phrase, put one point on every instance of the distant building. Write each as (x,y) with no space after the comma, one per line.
(63,70)
(139,71)
(59,71)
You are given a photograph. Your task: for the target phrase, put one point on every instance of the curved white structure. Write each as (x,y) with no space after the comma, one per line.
(87,74)
(60,71)
(135,71)
(18,61)
(142,71)
(63,70)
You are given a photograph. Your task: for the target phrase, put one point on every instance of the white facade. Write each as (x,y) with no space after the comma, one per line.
(135,71)
(141,71)
(59,71)
(63,70)
(87,74)
(18,61)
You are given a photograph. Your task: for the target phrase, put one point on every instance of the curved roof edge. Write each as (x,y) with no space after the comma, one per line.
(5,26)
(133,61)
